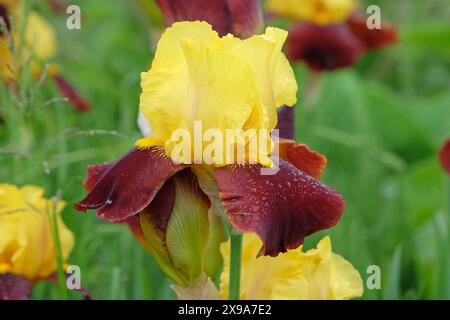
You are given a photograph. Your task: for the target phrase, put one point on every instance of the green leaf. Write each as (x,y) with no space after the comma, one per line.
(392,291)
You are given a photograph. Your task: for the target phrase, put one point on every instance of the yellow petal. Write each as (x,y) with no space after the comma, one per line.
(346,282)
(318,11)
(26,233)
(224,83)
(148,142)
(315,274)
(40,36)
(275,80)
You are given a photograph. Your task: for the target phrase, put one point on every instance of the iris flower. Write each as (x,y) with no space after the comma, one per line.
(330,34)
(27,250)
(317,274)
(243,18)
(444,156)
(40,44)
(226,83)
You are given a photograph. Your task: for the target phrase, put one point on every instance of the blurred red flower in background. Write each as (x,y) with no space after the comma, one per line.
(444,156)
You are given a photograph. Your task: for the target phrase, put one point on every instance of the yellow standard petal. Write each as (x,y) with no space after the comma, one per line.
(26,237)
(316,274)
(275,79)
(318,11)
(222,83)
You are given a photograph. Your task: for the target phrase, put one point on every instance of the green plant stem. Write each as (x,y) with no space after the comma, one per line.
(235,265)
(58,253)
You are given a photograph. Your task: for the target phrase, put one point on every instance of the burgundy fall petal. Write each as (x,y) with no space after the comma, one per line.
(371,39)
(444,156)
(302,157)
(14,287)
(323,47)
(246,17)
(129,185)
(286,122)
(160,209)
(282,209)
(66,90)
(94,173)
(215,12)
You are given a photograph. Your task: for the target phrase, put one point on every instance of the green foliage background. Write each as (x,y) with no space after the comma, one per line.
(380,125)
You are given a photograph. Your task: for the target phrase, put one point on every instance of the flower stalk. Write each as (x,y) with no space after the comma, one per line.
(235,264)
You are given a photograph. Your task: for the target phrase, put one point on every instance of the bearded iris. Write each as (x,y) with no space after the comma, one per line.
(226,83)
(27,246)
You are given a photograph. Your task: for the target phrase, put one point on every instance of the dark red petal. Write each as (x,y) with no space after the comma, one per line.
(302,157)
(246,17)
(160,209)
(130,184)
(66,90)
(94,173)
(14,287)
(286,122)
(215,12)
(323,47)
(371,39)
(282,209)
(444,156)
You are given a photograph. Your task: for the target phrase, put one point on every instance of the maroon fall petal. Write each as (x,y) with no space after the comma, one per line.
(246,17)
(302,157)
(282,209)
(160,209)
(94,173)
(371,39)
(129,185)
(323,47)
(215,12)
(67,91)
(14,287)
(444,156)
(286,122)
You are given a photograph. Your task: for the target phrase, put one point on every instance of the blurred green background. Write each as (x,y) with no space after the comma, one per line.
(380,124)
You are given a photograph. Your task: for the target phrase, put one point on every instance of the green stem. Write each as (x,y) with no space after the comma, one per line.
(235,264)
(58,252)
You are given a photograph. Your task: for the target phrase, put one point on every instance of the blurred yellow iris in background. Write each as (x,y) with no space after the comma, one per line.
(39,43)
(26,234)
